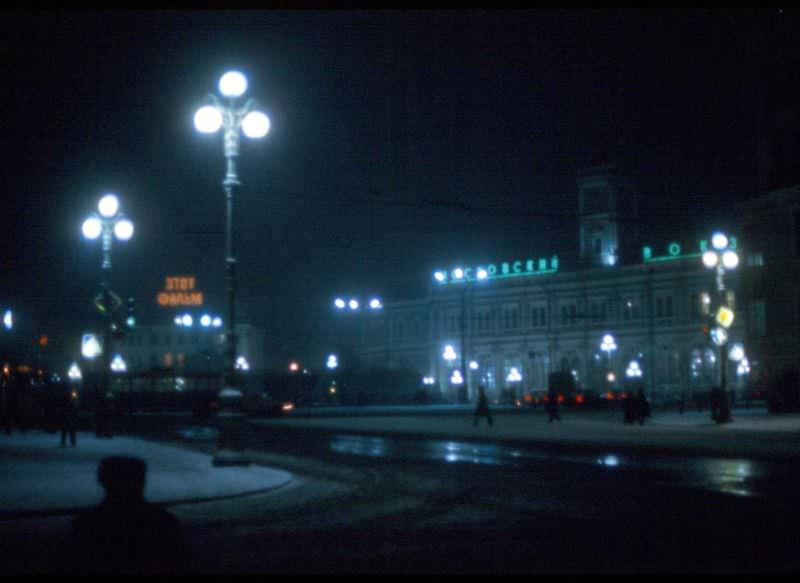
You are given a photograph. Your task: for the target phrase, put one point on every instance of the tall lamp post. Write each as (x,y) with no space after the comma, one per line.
(233,120)
(609,345)
(461,275)
(722,258)
(107,225)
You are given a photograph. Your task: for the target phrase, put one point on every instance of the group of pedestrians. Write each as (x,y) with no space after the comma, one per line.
(636,408)
(55,409)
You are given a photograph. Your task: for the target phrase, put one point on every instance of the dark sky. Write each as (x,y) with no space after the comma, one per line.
(400,142)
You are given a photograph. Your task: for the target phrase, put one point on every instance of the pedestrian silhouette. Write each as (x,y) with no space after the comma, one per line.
(553,407)
(629,409)
(67,410)
(716,394)
(125,533)
(642,407)
(482,407)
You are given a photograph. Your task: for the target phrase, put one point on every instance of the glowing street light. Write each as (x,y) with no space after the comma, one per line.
(633,371)
(242,364)
(449,354)
(118,364)
(74,373)
(514,375)
(339,303)
(722,258)
(8,320)
(233,120)
(107,224)
(332,362)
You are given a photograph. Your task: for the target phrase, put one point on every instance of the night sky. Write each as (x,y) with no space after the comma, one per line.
(400,142)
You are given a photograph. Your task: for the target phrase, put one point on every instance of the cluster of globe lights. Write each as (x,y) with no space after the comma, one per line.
(720,254)
(633,370)
(108,207)
(210,118)
(332,361)
(118,364)
(354,304)
(187,321)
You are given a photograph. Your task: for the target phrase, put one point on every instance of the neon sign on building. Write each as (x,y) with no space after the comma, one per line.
(674,252)
(517,268)
(179,291)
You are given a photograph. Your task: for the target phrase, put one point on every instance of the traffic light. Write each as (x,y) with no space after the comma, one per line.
(130,317)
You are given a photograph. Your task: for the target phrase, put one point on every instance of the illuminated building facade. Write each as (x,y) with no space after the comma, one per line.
(521,319)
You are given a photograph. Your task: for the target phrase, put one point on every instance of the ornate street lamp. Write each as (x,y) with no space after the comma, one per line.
(233,120)
(108,223)
(721,258)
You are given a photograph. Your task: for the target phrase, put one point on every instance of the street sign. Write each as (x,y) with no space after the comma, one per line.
(114,300)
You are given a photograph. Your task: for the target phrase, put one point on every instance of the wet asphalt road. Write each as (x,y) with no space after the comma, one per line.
(400,504)
(377,504)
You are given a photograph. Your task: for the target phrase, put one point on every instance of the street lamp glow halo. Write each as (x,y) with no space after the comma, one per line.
(730,259)
(339,303)
(92,227)
(353,304)
(123,229)
(710,259)
(207,119)
(233,84)
(719,241)
(108,205)
(256,124)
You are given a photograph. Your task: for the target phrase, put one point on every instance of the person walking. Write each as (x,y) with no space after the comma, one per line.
(553,407)
(642,407)
(68,414)
(482,407)
(629,409)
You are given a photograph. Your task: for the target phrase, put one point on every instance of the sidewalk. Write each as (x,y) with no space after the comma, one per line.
(753,432)
(41,478)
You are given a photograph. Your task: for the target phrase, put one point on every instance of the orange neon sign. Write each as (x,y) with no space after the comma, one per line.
(179,291)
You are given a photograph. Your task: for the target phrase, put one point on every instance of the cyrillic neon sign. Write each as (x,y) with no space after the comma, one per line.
(674,251)
(518,268)
(179,291)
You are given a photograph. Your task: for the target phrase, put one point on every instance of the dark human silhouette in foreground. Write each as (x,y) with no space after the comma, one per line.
(125,533)
(482,408)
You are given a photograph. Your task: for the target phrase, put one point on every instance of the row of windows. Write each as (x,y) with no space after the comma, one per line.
(535,316)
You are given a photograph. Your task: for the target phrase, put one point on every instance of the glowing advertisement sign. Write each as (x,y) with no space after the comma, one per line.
(179,291)
(674,252)
(517,268)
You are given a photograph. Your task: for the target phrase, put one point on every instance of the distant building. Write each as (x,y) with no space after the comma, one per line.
(770,231)
(190,349)
(519,320)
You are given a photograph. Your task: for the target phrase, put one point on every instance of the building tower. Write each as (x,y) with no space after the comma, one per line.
(606,199)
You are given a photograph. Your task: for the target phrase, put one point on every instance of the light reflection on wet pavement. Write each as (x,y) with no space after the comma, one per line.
(737,477)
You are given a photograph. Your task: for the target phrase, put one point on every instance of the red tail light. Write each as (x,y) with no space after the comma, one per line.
(579,399)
